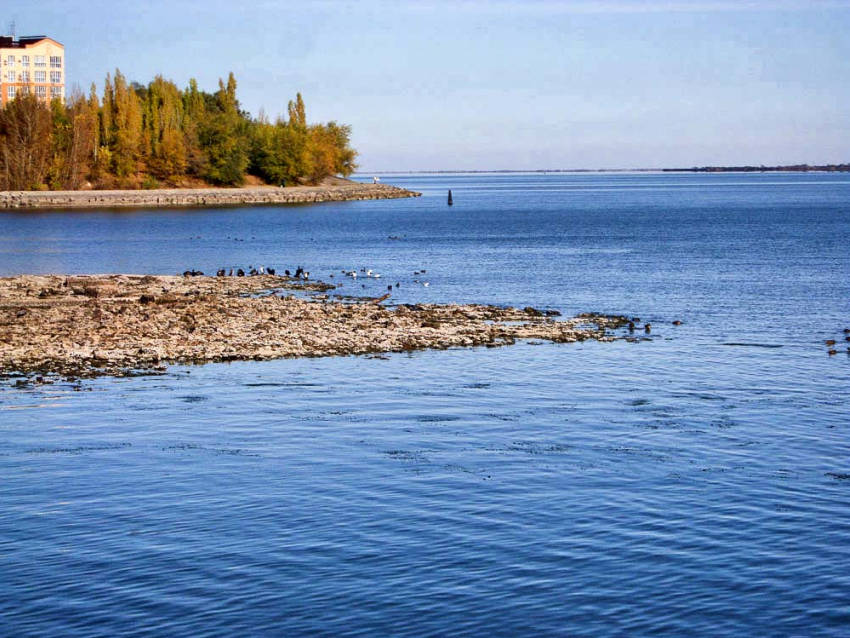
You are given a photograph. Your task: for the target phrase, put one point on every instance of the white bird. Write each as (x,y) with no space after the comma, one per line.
(425,284)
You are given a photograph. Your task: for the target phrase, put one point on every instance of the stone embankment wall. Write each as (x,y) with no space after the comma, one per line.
(200,197)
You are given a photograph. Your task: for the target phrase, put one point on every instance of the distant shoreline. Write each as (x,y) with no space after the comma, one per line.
(185,197)
(800,168)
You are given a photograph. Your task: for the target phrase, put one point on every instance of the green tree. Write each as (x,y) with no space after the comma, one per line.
(224,138)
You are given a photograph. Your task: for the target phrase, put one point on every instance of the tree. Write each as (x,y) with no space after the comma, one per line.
(26,134)
(223,137)
(163,141)
(126,133)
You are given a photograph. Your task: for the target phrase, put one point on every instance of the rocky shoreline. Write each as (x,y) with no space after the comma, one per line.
(352,191)
(93,325)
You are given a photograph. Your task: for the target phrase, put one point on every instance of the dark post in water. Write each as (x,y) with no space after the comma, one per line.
(450,197)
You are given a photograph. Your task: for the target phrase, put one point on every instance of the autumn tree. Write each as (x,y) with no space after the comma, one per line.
(163,140)
(137,131)
(126,131)
(26,134)
(74,141)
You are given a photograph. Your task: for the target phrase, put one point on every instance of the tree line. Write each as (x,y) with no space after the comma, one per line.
(136,136)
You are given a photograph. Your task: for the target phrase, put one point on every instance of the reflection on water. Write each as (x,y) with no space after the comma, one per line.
(691,484)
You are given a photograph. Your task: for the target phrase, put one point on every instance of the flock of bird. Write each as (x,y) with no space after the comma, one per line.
(371,274)
(252,271)
(300,273)
(831,343)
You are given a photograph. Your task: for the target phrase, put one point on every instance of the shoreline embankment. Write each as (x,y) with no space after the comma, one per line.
(178,197)
(92,325)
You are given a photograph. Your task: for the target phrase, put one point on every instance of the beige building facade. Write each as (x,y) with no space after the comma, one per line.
(31,64)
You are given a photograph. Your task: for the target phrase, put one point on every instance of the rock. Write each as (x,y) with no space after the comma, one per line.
(200,319)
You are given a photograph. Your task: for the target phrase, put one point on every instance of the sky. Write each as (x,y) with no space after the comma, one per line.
(474,85)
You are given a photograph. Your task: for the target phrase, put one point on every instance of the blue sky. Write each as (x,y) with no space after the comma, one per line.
(438,85)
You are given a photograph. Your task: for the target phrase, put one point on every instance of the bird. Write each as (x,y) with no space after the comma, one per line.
(830,342)
(631,326)
(832,352)
(677,323)
(426,284)
(648,328)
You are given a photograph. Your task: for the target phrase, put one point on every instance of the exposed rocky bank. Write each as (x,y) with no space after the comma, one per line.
(350,191)
(115,324)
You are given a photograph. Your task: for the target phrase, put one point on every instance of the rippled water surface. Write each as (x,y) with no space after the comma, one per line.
(697,483)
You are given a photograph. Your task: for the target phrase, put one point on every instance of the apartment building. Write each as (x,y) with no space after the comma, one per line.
(31,64)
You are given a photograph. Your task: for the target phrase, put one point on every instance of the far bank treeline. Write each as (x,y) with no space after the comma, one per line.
(137,136)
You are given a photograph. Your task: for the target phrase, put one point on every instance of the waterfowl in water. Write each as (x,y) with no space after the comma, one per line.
(830,342)
(631,326)
(648,328)
(677,323)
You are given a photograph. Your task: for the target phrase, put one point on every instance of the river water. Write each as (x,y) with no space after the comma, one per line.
(697,483)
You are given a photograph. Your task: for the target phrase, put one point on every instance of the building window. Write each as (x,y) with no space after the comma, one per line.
(41,91)
(25,76)
(10,60)
(10,92)
(41,76)
(39,60)
(10,76)
(55,91)
(56,61)
(25,90)
(25,61)
(56,77)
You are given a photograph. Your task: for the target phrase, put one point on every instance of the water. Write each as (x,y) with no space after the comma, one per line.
(679,486)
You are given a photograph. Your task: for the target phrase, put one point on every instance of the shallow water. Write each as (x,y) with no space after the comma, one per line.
(694,484)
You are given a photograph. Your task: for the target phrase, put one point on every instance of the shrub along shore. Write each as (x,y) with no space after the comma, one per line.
(120,324)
